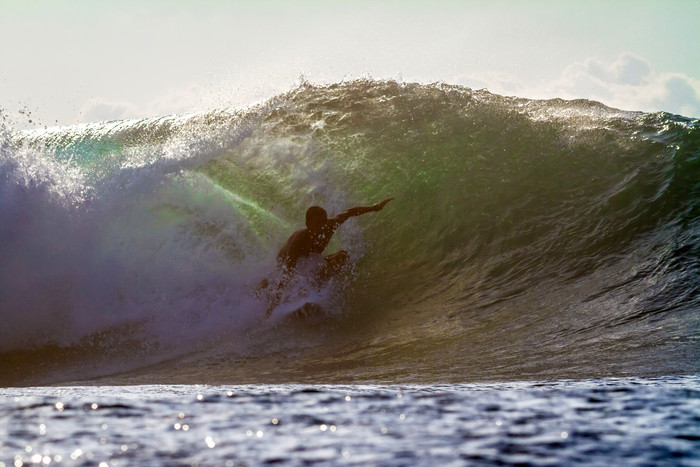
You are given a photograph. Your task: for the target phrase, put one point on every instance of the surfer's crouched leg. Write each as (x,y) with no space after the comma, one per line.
(334,263)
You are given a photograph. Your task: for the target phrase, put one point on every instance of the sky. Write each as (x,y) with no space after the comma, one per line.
(70,61)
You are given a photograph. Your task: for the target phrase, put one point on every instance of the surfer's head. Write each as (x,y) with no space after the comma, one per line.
(316,216)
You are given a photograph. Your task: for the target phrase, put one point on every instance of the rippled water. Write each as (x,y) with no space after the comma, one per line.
(628,421)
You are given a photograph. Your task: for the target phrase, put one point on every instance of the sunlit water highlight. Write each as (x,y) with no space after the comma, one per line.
(629,421)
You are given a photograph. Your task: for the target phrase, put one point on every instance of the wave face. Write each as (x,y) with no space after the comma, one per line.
(528,239)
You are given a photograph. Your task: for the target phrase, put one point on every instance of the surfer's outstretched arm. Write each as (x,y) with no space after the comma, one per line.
(358,211)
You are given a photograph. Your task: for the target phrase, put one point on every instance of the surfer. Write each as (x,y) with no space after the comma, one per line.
(308,244)
(315,238)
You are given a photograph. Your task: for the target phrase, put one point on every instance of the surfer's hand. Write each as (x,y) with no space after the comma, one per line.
(380,206)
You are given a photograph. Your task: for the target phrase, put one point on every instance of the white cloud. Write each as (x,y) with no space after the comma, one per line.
(682,93)
(630,83)
(628,69)
(173,101)
(178,100)
(98,109)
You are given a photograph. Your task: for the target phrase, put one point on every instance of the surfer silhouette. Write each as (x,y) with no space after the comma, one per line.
(306,246)
(313,239)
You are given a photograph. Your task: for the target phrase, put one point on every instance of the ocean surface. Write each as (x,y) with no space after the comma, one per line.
(530,296)
(630,421)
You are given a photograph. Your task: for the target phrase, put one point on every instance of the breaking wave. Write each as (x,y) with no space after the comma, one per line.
(528,239)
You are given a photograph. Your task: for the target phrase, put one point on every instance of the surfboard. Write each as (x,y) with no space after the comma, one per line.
(299,311)
(298,300)
(308,313)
